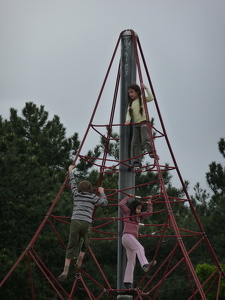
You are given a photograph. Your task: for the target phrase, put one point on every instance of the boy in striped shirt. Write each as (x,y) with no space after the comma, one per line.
(84,202)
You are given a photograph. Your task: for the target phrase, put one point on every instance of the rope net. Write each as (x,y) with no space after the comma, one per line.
(97,278)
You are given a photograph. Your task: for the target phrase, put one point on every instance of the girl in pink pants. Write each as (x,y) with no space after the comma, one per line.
(130,234)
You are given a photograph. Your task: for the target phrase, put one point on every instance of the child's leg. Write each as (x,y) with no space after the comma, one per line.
(133,248)
(79,260)
(131,262)
(145,138)
(75,240)
(67,266)
(129,241)
(86,232)
(72,248)
(141,254)
(136,143)
(65,272)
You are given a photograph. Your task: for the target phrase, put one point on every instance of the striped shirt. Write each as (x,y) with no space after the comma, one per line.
(84,203)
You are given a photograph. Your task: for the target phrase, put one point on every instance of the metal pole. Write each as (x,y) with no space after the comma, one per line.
(126,174)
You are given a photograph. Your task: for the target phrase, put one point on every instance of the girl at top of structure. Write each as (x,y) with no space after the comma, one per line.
(136,112)
(132,216)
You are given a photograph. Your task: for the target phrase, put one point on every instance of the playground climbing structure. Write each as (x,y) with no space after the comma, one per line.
(165,228)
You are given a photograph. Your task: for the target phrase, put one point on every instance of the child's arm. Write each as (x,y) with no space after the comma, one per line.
(128,117)
(150,96)
(102,200)
(72,180)
(122,203)
(149,207)
(71,167)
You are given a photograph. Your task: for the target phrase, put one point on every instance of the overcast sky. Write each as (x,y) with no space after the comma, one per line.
(56,53)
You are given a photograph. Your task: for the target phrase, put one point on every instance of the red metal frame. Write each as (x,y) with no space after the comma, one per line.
(146,288)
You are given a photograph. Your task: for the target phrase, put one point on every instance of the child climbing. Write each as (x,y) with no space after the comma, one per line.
(136,111)
(84,202)
(130,235)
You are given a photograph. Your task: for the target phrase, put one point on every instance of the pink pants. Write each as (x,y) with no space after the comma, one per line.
(133,248)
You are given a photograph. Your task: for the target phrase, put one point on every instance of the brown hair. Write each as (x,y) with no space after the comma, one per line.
(137,89)
(85,186)
(133,205)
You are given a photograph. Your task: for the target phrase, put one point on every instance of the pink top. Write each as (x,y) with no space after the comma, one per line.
(130,226)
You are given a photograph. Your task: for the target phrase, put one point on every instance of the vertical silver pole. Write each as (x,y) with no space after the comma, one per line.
(126,175)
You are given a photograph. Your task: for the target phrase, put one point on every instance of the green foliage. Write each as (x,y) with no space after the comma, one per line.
(204,271)
(221,146)
(34,158)
(216,175)
(210,208)
(34,154)
(216,178)
(113,146)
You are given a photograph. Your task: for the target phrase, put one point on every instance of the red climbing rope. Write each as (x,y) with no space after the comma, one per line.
(167,232)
